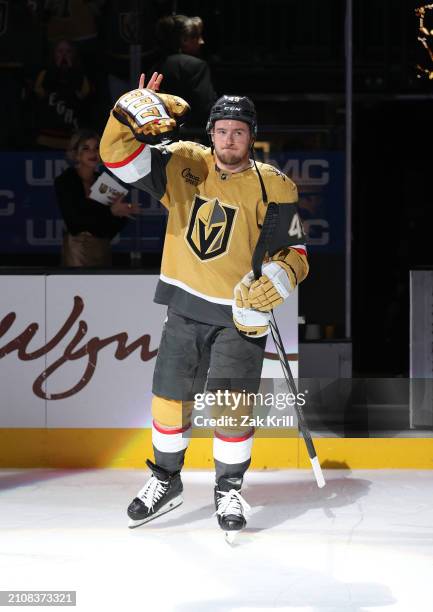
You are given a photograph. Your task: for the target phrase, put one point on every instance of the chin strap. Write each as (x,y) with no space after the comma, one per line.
(262,185)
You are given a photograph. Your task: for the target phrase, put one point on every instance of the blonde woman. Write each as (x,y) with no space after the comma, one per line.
(90,226)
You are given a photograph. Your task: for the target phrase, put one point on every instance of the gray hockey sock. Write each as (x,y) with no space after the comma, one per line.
(172,462)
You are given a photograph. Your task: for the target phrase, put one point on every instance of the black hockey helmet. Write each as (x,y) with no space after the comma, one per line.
(240,108)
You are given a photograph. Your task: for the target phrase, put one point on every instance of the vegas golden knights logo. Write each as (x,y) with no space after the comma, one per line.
(210,228)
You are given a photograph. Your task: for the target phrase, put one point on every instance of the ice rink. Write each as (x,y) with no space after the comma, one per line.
(364,542)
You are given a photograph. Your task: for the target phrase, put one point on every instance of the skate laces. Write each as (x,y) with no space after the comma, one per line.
(152,491)
(231,502)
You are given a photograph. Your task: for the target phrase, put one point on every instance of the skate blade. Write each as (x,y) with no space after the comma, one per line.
(231,536)
(174,503)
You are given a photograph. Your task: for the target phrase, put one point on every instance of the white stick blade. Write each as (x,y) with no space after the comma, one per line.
(318,472)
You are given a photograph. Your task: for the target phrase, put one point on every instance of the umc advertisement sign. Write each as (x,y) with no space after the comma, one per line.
(31,223)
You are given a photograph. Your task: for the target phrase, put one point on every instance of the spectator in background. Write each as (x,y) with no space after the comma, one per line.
(77,22)
(62,90)
(180,39)
(90,226)
(127,29)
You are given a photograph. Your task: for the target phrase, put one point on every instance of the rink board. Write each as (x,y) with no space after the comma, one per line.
(128,448)
(77,354)
(73,394)
(78,351)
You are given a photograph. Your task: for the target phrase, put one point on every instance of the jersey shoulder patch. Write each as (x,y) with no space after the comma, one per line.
(281,187)
(187,150)
(272,172)
(188,162)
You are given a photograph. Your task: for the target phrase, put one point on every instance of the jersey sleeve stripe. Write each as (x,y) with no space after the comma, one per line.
(134,167)
(302,250)
(127,160)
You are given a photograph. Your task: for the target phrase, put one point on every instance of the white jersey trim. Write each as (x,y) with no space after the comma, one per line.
(134,170)
(185,287)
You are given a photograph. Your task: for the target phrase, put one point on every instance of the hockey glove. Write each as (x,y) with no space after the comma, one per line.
(152,117)
(250,322)
(242,289)
(273,287)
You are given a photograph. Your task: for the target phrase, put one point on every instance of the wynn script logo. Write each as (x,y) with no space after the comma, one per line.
(72,352)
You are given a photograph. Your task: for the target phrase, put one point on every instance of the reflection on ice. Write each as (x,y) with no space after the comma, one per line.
(361,543)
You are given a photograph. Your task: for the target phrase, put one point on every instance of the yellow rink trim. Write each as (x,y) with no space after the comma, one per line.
(128,448)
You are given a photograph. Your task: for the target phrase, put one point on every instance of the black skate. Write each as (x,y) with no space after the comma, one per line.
(161,493)
(230,506)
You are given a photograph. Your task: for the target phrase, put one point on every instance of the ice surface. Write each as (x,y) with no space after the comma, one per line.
(362,543)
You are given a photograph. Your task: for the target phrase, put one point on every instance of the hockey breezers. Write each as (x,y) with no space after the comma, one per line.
(269,225)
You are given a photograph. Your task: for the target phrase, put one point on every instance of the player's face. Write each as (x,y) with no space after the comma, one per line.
(232,141)
(88,154)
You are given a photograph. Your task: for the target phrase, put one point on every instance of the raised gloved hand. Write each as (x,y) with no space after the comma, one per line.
(272,288)
(151,116)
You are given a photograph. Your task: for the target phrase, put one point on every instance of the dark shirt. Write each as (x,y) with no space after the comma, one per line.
(82,214)
(188,77)
(61,104)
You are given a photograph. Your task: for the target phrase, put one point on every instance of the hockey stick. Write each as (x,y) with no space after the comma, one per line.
(269,225)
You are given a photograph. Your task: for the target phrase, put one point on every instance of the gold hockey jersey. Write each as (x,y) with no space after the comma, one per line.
(214,219)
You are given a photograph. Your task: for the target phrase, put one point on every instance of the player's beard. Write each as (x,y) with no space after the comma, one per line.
(232,158)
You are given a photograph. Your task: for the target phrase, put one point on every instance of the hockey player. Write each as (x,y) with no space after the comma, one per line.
(218,314)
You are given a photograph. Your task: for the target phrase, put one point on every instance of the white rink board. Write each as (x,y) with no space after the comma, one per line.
(80,317)
(118,392)
(19,406)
